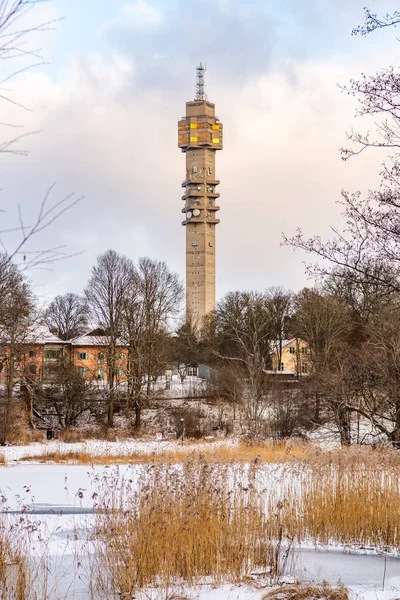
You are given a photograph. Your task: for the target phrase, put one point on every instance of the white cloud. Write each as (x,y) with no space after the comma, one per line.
(134,15)
(142,13)
(116,144)
(109,133)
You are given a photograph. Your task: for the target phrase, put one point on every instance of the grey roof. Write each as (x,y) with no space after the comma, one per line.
(92,340)
(41,334)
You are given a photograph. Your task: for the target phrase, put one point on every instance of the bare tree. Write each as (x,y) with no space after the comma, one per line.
(154,301)
(15,36)
(17,317)
(368,248)
(111,283)
(67,393)
(26,256)
(279,305)
(325,322)
(185,349)
(67,316)
(244,332)
(376,378)
(17,28)
(161,295)
(372,22)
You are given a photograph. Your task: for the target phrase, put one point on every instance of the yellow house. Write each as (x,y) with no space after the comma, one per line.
(291,356)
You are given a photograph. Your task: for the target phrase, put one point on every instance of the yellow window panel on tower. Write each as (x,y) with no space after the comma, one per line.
(194,139)
(193,125)
(215,140)
(215,127)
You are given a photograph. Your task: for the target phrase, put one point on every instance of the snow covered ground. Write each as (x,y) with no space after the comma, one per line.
(100,448)
(58,499)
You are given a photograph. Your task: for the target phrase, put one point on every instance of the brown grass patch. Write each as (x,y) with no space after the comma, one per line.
(178,526)
(21,436)
(2,459)
(347,505)
(242,453)
(165,524)
(15,573)
(308,592)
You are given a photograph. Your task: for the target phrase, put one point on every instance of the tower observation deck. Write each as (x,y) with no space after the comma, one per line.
(199,137)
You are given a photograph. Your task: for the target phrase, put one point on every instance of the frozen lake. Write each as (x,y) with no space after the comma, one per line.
(58,498)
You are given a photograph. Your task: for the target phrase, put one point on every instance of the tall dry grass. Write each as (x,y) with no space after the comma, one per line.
(308,591)
(15,573)
(243,452)
(177,526)
(292,452)
(207,521)
(344,505)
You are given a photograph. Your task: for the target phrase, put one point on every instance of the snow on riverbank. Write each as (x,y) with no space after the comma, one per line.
(59,498)
(117,448)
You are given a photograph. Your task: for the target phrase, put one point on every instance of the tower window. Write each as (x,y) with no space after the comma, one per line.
(194,169)
(210,244)
(195,243)
(210,170)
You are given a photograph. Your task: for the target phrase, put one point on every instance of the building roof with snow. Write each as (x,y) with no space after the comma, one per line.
(93,338)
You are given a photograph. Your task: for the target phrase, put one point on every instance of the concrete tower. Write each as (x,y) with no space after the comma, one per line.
(199,137)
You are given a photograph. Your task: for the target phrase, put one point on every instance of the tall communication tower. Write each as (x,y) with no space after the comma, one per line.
(199,137)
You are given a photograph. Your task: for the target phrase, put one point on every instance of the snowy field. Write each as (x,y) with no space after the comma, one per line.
(104,448)
(58,501)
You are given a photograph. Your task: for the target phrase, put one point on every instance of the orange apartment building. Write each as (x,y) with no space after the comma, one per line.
(89,354)
(39,350)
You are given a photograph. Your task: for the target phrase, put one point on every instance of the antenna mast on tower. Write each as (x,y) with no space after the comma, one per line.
(200,85)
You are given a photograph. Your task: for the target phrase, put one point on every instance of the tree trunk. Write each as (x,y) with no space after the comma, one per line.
(394,435)
(138,412)
(110,417)
(317,407)
(343,423)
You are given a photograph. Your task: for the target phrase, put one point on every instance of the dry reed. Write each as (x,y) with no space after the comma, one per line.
(14,566)
(344,505)
(308,592)
(180,526)
(243,452)
(221,522)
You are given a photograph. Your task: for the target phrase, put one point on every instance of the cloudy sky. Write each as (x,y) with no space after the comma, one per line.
(107,103)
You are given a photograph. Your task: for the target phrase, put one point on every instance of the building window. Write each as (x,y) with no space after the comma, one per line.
(32,353)
(83,355)
(120,356)
(282,367)
(83,371)
(52,354)
(32,369)
(192,371)
(304,350)
(304,368)
(119,372)
(100,374)
(292,350)
(100,357)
